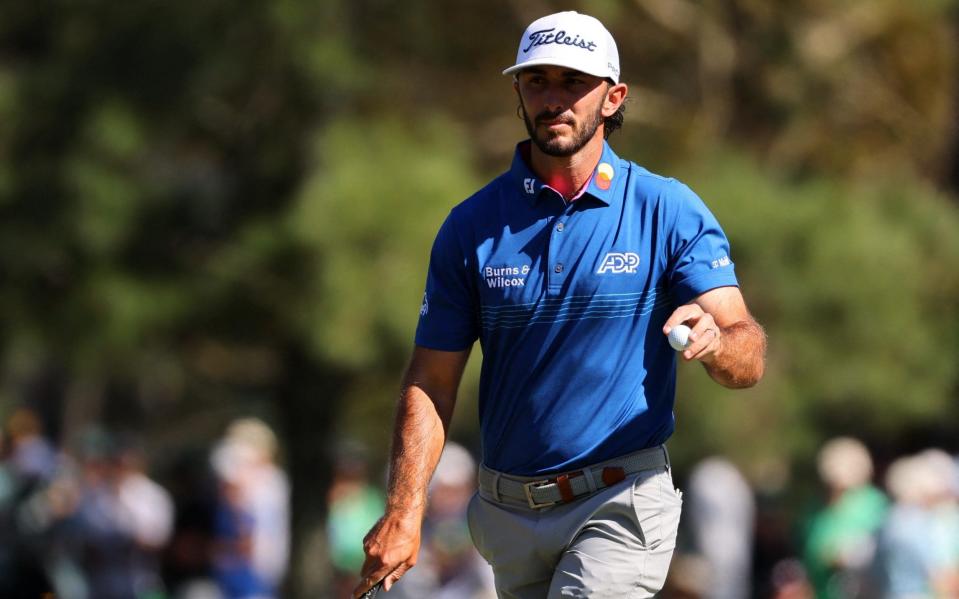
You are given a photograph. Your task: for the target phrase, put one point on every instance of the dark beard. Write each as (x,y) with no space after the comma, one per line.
(555,147)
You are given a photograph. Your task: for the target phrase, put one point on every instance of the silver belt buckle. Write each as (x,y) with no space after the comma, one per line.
(528,489)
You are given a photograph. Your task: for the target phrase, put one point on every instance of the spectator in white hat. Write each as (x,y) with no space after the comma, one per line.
(841,538)
(918,553)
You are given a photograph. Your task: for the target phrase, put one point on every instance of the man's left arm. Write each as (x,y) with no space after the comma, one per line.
(725,337)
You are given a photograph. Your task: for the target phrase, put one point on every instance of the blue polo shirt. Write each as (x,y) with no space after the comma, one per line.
(568,301)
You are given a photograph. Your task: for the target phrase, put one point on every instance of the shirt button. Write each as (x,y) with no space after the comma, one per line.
(560,227)
(559,267)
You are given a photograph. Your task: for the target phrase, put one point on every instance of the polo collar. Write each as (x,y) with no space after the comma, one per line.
(601,185)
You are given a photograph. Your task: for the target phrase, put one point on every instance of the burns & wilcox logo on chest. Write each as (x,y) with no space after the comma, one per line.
(498,277)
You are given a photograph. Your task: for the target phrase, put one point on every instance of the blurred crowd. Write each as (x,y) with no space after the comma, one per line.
(448,567)
(88,522)
(897,540)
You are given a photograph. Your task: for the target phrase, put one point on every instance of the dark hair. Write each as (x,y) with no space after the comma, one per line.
(614,121)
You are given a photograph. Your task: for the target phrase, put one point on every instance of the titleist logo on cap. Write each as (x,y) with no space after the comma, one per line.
(559,40)
(545,36)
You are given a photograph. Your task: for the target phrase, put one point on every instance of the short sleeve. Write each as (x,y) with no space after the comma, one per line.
(698,248)
(448,316)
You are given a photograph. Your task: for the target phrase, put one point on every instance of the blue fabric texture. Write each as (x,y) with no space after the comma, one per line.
(568,300)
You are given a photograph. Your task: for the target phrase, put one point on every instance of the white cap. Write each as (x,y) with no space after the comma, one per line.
(568,39)
(456,467)
(845,463)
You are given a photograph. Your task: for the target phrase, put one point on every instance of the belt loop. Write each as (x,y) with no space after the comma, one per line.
(565,489)
(496,497)
(613,474)
(590,482)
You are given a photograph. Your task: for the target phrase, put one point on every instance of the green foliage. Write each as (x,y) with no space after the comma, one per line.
(369,213)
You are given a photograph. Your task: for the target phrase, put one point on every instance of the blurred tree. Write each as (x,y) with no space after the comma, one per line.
(813,87)
(150,154)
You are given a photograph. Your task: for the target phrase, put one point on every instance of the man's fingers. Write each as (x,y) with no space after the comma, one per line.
(702,337)
(385,575)
(369,581)
(703,324)
(682,314)
(381,567)
(394,576)
(706,342)
(373,571)
(391,549)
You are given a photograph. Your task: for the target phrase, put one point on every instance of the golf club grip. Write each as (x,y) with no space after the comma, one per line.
(370,594)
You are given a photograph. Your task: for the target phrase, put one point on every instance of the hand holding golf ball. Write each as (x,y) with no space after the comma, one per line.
(694,332)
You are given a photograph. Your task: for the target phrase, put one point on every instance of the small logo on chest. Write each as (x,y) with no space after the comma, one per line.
(619,263)
(505,276)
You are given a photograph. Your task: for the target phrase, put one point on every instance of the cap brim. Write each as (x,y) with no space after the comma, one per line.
(555,62)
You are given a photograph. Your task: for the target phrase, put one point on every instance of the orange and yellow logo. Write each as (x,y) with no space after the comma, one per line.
(604,175)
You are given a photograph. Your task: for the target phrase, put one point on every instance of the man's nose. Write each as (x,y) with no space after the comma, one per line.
(554,101)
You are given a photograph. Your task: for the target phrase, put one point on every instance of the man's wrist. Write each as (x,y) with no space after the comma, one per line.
(406,508)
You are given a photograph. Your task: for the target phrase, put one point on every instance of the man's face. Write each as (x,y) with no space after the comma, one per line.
(562,108)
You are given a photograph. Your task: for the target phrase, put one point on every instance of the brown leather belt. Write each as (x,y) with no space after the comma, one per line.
(568,486)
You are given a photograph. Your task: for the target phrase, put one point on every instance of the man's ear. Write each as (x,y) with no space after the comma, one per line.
(615,96)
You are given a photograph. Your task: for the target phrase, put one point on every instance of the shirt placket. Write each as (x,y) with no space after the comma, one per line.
(558,269)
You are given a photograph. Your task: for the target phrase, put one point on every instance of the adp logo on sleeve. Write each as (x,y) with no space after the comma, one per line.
(618,263)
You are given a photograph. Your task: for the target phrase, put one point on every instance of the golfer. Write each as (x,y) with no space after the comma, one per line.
(570,268)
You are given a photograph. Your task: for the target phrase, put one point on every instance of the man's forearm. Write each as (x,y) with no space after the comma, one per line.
(418,437)
(741,360)
(423,414)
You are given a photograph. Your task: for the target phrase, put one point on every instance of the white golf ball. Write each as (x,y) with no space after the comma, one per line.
(679,337)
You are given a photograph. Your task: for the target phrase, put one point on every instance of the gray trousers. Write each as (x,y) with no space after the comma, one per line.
(616,543)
